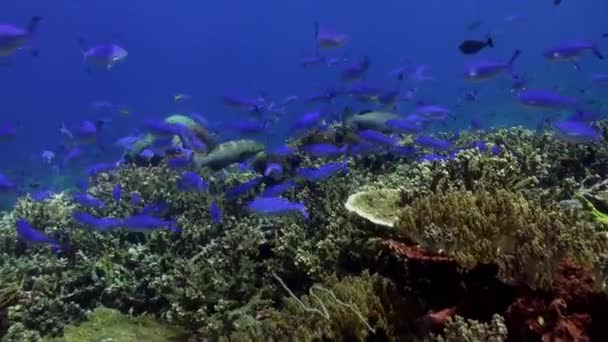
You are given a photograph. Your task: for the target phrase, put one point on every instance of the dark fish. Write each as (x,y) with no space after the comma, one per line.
(273,206)
(88,200)
(35,236)
(469,47)
(557,2)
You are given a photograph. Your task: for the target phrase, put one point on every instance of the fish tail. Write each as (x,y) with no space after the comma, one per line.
(596,51)
(490,42)
(316,38)
(514,57)
(33,24)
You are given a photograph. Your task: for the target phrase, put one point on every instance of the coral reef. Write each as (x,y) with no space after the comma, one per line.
(525,239)
(458,329)
(377,206)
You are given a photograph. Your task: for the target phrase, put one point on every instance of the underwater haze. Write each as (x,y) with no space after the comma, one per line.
(265,170)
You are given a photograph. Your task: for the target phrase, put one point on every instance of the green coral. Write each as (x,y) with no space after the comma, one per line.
(378,206)
(105,324)
(526,240)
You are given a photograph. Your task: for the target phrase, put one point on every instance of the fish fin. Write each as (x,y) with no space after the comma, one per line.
(596,51)
(33,24)
(490,42)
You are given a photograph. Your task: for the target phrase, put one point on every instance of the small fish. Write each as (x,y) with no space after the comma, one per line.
(571,50)
(243,188)
(576,132)
(432,143)
(469,47)
(215,213)
(432,112)
(474,25)
(545,99)
(273,170)
(135,198)
(356,70)
(377,137)
(98,168)
(100,224)
(127,143)
(557,2)
(32,235)
(403,151)
(324,150)
(181,97)
(163,129)
(5,183)
(13,38)
(178,162)
(192,181)
(105,55)
(328,38)
(157,209)
(307,121)
(86,132)
(48,156)
(275,206)
(431,158)
(496,150)
(42,195)
(278,189)
(323,172)
(405,125)
(486,69)
(146,155)
(480,145)
(73,154)
(117,193)
(7,131)
(147,224)
(88,200)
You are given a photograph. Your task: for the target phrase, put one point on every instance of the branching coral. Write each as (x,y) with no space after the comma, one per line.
(525,239)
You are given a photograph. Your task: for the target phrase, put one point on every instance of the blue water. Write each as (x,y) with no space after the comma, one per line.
(206,49)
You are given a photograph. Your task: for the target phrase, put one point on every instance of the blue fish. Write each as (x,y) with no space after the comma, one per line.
(243,188)
(356,70)
(576,132)
(96,169)
(7,131)
(73,154)
(273,170)
(100,224)
(156,209)
(432,143)
(271,206)
(282,151)
(403,151)
(88,200)
(215,213)
(42,195)
(192,181)
(376,137)
(146,224)
(324,150)
(278,189)
(431,158)
(135,198)
(5,183)
(117,193)
(480,145)
(178,162)
(545,99)
(487,69)
(35,236)
(307,121)
(321,173)
(106,55)
(404,126)
(163,129)
(496,150)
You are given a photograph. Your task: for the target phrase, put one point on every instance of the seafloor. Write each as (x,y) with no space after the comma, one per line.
(490,244)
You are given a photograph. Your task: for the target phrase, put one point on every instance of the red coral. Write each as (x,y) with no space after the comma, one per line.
(435,321)
(573,310)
